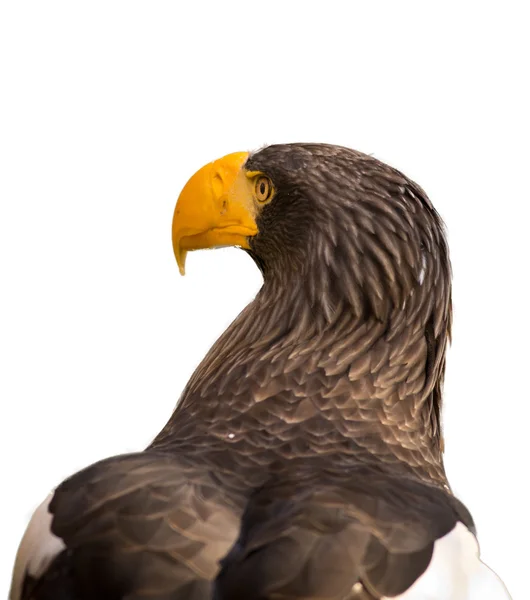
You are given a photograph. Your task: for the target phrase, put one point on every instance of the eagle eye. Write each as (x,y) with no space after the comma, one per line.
(263,189)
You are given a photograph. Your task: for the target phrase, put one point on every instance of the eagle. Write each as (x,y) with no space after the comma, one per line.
(304,459)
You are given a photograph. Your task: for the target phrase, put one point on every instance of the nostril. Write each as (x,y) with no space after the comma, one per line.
(217,184)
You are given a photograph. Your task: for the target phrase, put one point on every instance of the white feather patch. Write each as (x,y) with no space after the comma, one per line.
(421,275)
(456,572)
(39,546)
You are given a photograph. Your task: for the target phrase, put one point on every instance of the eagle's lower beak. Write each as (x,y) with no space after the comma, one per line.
(214,209)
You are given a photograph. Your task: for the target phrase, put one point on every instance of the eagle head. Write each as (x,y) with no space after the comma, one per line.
(339,227)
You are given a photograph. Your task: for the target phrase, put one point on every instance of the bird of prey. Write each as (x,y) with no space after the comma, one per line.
(304,458)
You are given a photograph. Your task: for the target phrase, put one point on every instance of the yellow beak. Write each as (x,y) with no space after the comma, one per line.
(214,209)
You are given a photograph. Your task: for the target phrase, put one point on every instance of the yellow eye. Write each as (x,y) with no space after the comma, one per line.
(263,189)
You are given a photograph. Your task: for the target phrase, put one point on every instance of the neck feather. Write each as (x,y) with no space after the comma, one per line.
(302,357)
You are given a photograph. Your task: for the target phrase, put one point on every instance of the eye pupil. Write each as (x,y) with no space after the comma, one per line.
(262,188)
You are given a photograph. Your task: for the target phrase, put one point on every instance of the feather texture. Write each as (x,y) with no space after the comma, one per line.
(305,454)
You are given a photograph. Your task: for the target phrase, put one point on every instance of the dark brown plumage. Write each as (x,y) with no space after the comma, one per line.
(315,418)
(344,345)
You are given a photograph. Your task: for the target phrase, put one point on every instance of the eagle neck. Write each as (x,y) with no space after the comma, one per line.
(365,384)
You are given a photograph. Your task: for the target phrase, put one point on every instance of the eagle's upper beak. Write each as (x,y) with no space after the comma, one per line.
(214,209)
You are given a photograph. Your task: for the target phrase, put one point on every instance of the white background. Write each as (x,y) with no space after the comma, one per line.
(108,108)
